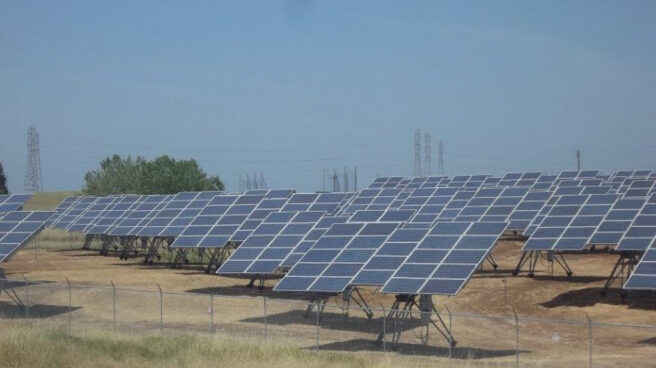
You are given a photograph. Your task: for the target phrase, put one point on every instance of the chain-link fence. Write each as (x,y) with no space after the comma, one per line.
(328,324)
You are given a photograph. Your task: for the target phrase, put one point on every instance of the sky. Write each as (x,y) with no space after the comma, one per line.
(293,88)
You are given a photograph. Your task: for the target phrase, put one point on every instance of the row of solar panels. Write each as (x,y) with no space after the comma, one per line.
(296,223)
(268,250)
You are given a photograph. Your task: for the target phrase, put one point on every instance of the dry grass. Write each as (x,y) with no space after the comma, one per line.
(25,346)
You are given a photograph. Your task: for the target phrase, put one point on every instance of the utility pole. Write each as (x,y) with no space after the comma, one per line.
(355,178)
(33,173)
(263,184)
(345,179)
(440,159)
(578,160)
(427,154)
(417,167)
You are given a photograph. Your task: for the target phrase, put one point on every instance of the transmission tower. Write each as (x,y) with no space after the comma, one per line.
(417,170)
(335,181)
(263,184)
(440,159)
(33,174)
(346,181)
(427,155)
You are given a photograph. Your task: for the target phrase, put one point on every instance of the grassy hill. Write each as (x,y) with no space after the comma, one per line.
(46,200)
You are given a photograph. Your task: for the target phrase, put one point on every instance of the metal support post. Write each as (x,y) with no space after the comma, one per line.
(516,338)
(318,307)
(211,314)
(589,338)
(70,308)
(384,328)
(161,310)
(450,327)
(27,298)
(113,302)
(264,304)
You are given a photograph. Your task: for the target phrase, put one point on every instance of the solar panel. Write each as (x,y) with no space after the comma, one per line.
(17,228)
(13,202)
(644,275)
(172,218)
(134,221)
(232,218)
(63,206)
(527,210)
(617,221)
(445,258)
(642,231)
(113,215)
(270,243)
(312,236)
(73,212)
(91,214)
(331,263)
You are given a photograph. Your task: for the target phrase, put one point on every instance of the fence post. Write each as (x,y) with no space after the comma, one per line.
(264,304)
(113,302)
(516,338)
(589,337)
(161,310)
(211,314)
(70,308)
(384,328)
(450,328)
(27,299)
(316,344)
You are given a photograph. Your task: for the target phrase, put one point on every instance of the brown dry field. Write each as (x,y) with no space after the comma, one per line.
(555,296)
(488,342)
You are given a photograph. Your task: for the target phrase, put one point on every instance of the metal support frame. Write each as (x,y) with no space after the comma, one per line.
(491,261)
(318,301)
(622,270)
(8,288)
(531,259)
(152,247)
(128,245)
(354,294)
(260,283)
(107,243)
(88,239)
(401,312)
(216,256)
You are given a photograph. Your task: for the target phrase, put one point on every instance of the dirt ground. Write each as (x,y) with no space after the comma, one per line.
(555,296)
(483,342)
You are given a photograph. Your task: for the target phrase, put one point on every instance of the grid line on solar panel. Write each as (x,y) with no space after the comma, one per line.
(444,260)
(72,213)
(17,228)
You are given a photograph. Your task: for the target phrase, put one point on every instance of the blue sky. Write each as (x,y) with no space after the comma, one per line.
(294,87)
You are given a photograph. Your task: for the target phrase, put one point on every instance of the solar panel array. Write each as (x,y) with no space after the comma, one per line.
(421,235)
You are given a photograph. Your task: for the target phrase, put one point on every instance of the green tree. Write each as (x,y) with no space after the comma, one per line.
(163,175)
(3,181)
